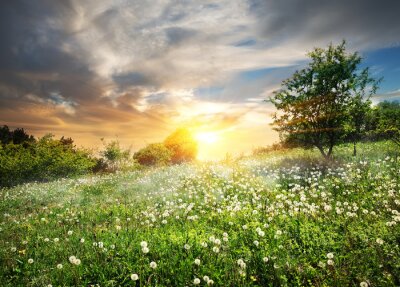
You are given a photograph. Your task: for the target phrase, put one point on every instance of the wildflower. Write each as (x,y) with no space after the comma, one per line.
(30,260)
(13,249)
(206,278)
(186,246)
(265,259)
(256,243)
(82,240)
(244,227)
(134,277)
(145,250)
(153,265)
(278,232)
(321,264)
(204,244)
(197,261)
(329,255)
(56,240)
(363,284)
(59,266)
(215,249)
(217,242)
(210,282)
(143,244)
(196,281)
(46,240)
(330,262)
(69,232)
(379,241)
(100,244)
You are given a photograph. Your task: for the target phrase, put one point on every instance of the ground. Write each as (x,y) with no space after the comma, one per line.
(286,218)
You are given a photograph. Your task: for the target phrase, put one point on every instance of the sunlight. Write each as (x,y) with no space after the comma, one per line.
(207,137)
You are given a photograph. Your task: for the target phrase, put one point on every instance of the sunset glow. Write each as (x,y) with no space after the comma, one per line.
(207,137)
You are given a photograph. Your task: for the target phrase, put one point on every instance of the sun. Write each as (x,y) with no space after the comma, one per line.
(206,137)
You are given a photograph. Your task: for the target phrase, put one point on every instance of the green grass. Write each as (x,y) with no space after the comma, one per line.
(267,220)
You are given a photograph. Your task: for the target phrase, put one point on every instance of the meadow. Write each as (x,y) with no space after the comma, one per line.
(286,218)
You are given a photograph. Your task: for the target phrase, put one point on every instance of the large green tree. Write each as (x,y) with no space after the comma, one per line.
(316,104)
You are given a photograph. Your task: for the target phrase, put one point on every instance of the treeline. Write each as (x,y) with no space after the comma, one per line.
(23,158)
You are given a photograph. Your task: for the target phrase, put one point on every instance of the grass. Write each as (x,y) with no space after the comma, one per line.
(280,219)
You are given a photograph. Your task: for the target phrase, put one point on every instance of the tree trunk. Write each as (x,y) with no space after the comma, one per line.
(354,148)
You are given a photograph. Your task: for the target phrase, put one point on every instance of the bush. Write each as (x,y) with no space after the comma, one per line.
(182,145)
(43,160)
(153,154)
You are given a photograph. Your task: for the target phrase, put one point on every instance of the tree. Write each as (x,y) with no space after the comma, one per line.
(153,154)
(114,154)
(182,146)
(316,103)
(387,118)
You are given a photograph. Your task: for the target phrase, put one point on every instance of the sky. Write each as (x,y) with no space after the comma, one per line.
(136,70)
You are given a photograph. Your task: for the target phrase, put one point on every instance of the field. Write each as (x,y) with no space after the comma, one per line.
(281,219)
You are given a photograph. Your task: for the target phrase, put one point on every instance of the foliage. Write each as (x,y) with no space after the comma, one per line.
(43,160)
(182,145)
(387,120)
(259,222)
(316,103)
(17,136)
(115,155)
(155,154)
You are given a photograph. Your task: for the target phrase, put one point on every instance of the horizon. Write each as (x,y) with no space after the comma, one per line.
(137,71)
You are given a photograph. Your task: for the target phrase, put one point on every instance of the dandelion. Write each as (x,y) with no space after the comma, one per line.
(186,246)
(69,232)
(143,244)
(379,241)
(206,278)
(363,284)
(13,249)
(329,255)
(204,244)
(215,249)
(145,250)
(59,266)
(265,259)
(82,240)
(30,260)
(217,242)
(56,240)
(197,261)
(278,233)
(134,277)
(100,244)
(321,264)
(196,281)
(256,243)
(330,262)
(46,239)
(153,265)
(210,282)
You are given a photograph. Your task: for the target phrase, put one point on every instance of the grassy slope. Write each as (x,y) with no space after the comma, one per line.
(285,208)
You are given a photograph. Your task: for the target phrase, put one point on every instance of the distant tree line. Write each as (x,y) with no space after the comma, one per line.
(23,158)
(328,103)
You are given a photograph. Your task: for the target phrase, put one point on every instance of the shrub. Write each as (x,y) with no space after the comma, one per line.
(153,154)
(182,145)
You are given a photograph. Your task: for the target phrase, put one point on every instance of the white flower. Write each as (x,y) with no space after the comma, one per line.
(30,260)
(212,239)
(215,249)
(13,249)
(330,262)
(256,243)
(321,264)
(56,239)
(46,240)
(217,242)
(265,259)
(206,278)
(73,260)
(186,246)
(69,232)
(329,255)
(153,265)
(112,246)
(244,227)
(100,244)
(196,281)
(363,284)
(379,241)
(210,282)
(82,240)
(134,277)
(278,232)
(143,244)
(77,262)
(204,244)
(145,250)
(197,261)
(59,266)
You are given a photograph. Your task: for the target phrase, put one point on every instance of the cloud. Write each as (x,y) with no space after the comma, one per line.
(139,69)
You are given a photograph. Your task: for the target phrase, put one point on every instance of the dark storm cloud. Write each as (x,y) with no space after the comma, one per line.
(364,23)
